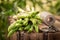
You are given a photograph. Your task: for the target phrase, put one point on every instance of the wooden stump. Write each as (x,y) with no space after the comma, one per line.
(36,36)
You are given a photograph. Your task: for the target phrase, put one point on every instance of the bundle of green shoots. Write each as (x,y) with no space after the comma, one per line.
(27,21)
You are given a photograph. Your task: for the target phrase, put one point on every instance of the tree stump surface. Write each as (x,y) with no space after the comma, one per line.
(35,36)
(39,36)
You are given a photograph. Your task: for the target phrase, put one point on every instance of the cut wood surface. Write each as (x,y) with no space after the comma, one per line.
(57,22)
(57,18)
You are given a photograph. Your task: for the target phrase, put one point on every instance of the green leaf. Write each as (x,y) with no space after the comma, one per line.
(12,32)
(33,21)
(25,21)
(36,28)
(27,27)
(30,29)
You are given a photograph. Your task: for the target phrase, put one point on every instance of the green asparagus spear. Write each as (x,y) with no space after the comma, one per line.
(36,28)
(12,31)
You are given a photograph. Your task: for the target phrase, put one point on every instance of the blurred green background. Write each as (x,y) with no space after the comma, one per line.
(10,7)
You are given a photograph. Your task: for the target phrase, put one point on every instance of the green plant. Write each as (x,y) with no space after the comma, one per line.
(26,21)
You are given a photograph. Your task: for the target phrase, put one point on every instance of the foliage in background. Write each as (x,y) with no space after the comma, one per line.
(10,7)
(52,6)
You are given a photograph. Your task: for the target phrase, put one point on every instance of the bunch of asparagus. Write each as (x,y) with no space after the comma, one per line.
(26,21)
